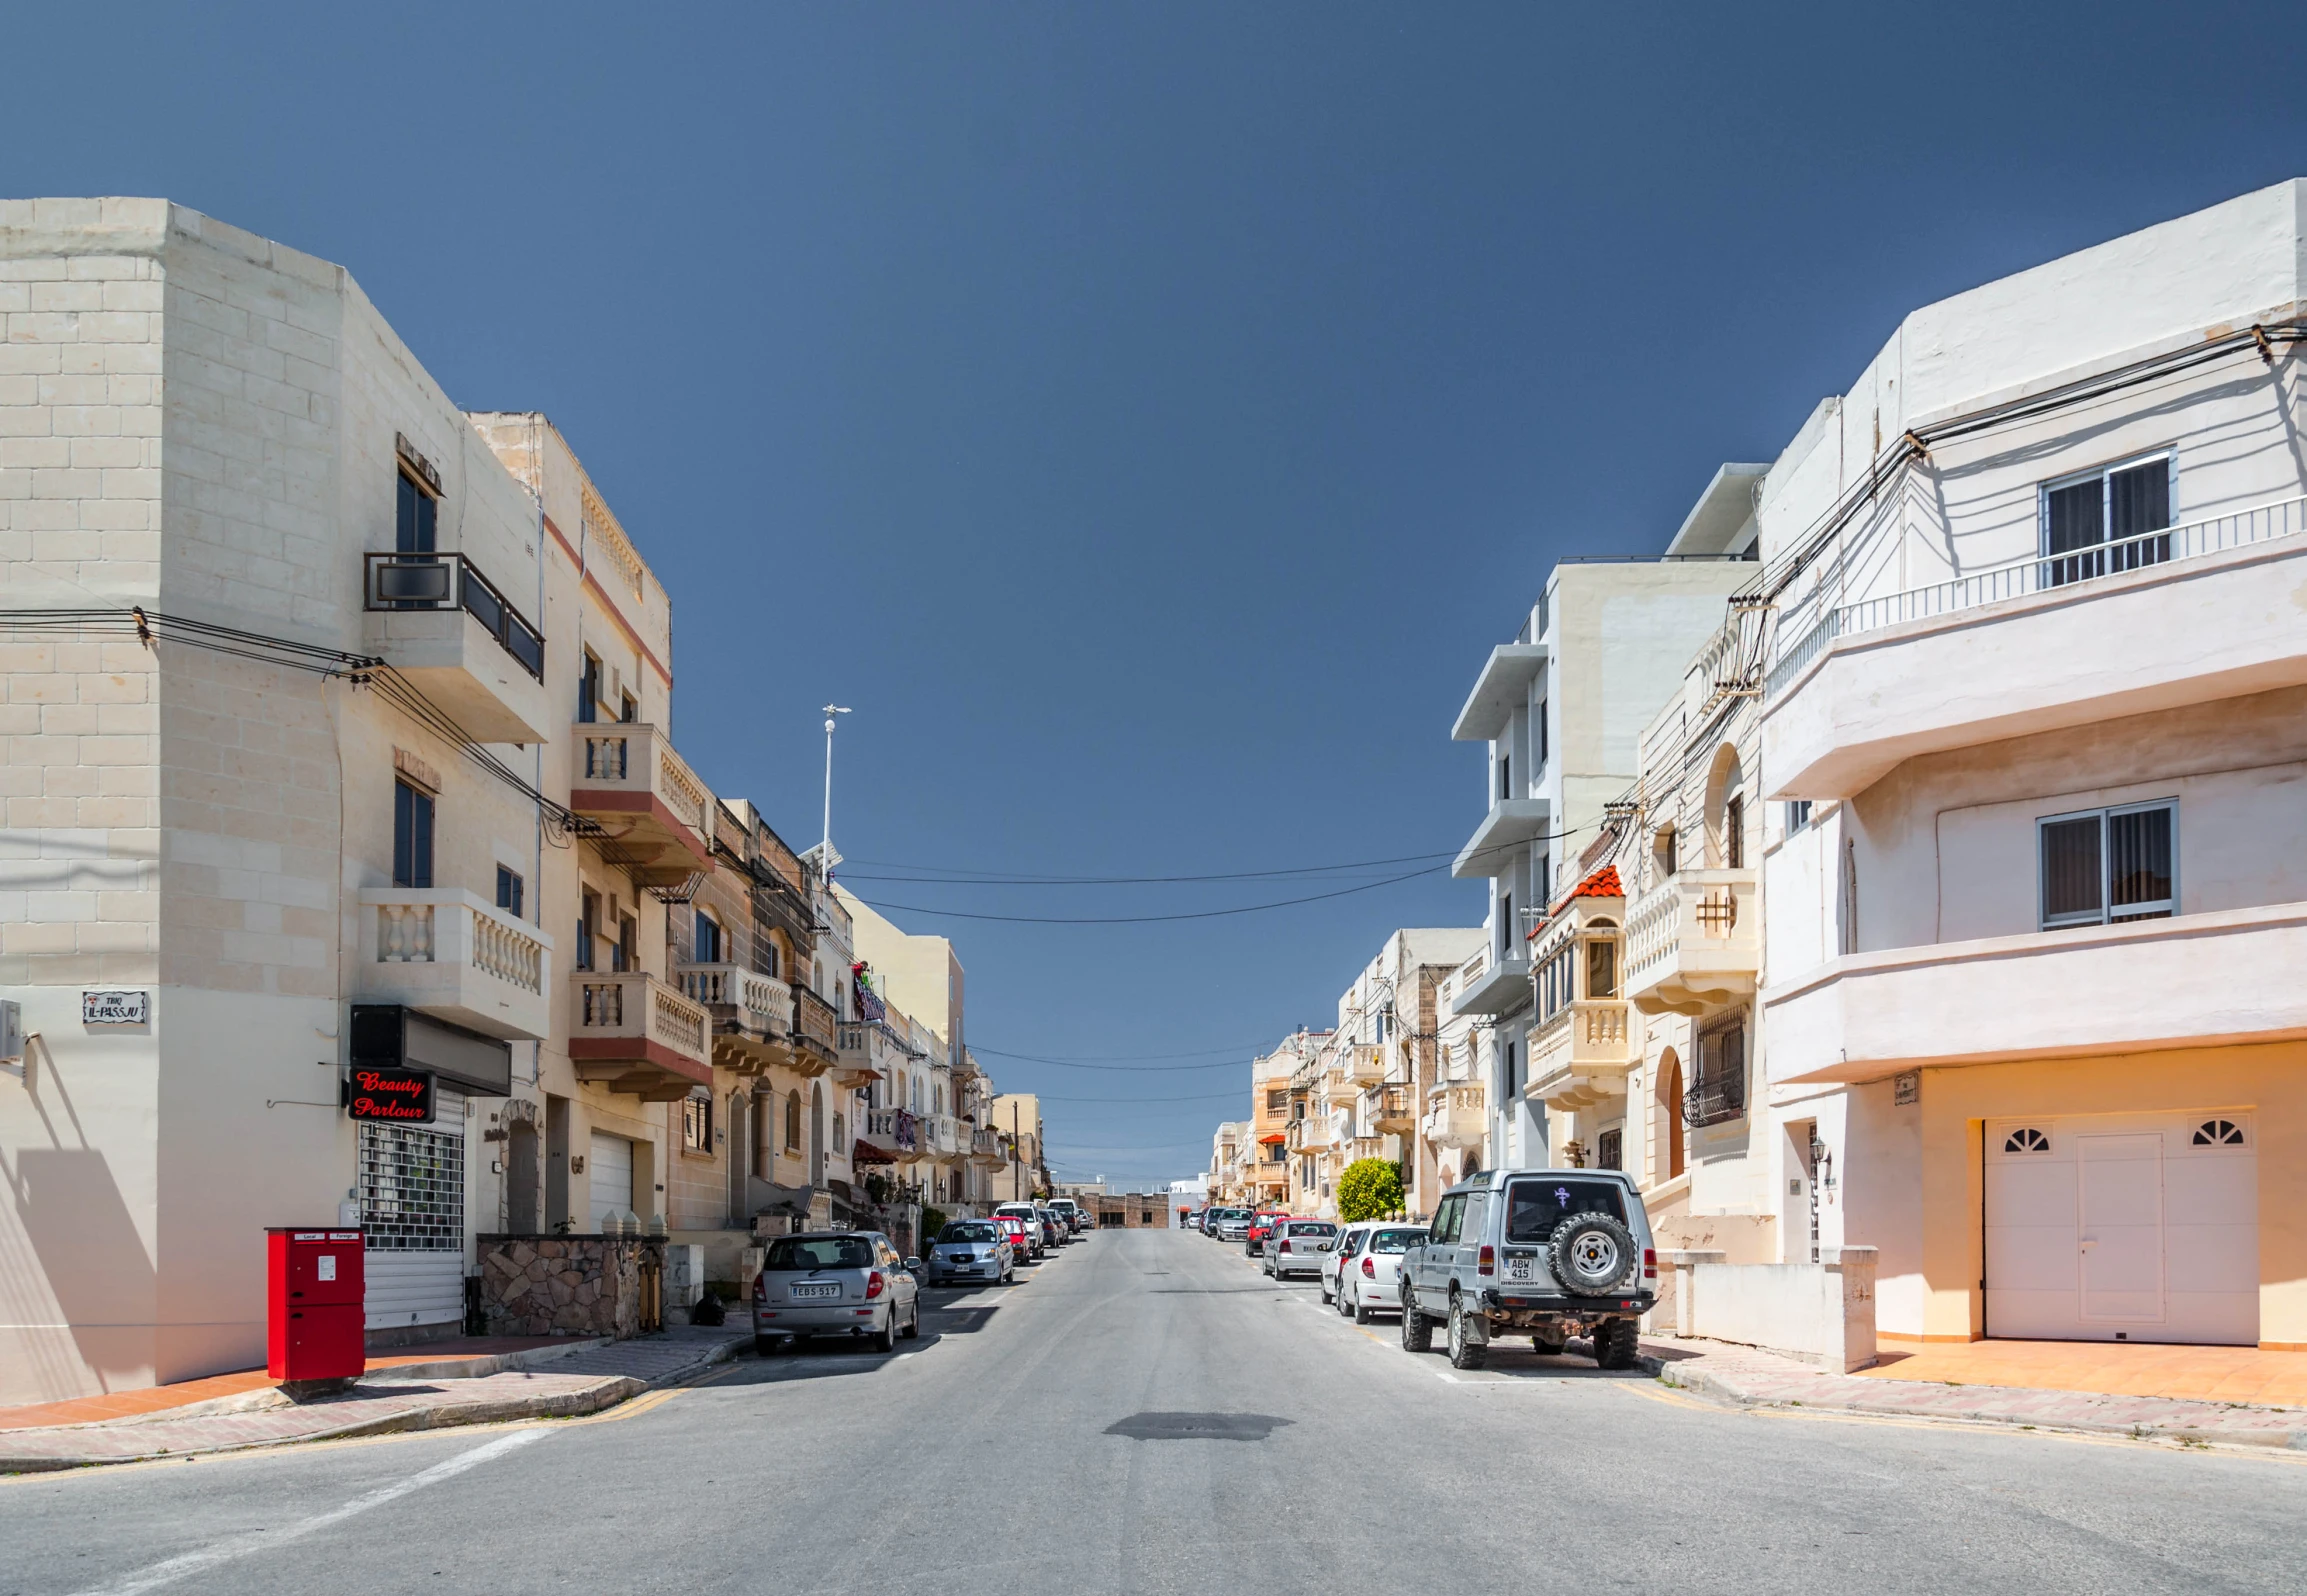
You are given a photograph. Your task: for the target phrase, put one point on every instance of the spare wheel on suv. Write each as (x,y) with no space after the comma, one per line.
(1590,1254)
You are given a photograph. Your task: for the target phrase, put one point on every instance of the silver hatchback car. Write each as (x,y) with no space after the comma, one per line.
(971,1249)
(835,1283)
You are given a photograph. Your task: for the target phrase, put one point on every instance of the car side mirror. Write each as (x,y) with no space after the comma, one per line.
(913,1266)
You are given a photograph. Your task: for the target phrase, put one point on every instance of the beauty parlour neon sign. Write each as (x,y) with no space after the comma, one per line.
(402,1096)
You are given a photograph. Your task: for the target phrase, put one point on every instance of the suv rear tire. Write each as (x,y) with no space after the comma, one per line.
(1618,1344)
(1465,1351)
(1417,1329)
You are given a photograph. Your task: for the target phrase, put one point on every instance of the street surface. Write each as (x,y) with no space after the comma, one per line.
(984,1459)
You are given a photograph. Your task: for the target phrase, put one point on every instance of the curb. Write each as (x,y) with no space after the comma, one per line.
(1699,1382)
(606,1392)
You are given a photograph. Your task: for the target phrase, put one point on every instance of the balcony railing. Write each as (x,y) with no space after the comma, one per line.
(752,1013)
(1693,942)
(1581,1054)
(640,1035)
(453,955)
(452,582)
(1714,1101)
(1391,1107)
(894,1127)
(1813,625)
(817,1028)
(1455,1114)
(660,814)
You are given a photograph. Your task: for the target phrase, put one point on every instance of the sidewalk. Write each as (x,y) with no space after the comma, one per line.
(412,1392)
(1747,1377)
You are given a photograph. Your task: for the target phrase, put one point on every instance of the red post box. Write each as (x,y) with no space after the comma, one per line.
(314,1304)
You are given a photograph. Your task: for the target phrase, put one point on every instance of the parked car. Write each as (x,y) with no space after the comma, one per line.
(1233,1224)
(1550,1252)
(1261,1226)
(840,1282)
(1021,1248)
(972,1249)
(1028,1216)
(1075,1217)
(1361,1275)
(1297,1246)
(1055,1229)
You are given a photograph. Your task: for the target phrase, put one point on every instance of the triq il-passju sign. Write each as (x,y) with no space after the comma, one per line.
(404,1096)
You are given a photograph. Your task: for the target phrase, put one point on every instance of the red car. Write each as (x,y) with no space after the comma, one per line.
(1261,1226)
(1021,1242)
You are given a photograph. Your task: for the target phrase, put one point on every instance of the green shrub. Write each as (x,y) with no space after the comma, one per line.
(1371,1188)
(932,1221)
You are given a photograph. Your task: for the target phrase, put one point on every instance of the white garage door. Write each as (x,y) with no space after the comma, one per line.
(2124,1227)
(609,1166)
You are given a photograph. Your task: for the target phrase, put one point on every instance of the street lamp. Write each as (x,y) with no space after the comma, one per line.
(831,710)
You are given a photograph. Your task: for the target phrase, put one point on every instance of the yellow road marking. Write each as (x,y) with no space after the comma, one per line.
(647,1402)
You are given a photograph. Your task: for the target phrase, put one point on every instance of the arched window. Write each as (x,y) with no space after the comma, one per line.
(1602,959)
(1725,811)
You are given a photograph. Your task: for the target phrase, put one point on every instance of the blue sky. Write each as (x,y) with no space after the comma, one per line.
(1147,416)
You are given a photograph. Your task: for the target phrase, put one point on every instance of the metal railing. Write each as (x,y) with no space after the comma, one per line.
(452,582)
(1813,625)
(1714,1101)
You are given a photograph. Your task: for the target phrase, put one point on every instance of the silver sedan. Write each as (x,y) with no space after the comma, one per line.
(971,1249)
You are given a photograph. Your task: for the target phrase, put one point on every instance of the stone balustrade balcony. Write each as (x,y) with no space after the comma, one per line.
(457,957)
(752,1013)
(1581,1054)
(636,1034)
(655,816)
(1694,942)
(1455,1115)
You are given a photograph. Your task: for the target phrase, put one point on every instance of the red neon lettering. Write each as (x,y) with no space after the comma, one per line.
(375,1081)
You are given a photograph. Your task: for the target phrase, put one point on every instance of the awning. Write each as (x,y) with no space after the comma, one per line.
(866,1153)
(1274,1136)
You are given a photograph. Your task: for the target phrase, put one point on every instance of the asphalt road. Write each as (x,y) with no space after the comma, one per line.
(984,1459)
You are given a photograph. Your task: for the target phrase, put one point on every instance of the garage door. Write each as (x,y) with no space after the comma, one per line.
(412,1197)
(2123,1227)
(609,1166)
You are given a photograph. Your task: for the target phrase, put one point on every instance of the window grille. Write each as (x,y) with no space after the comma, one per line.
(412,1188)
(1719,1093)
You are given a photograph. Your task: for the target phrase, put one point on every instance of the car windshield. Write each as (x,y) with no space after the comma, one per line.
(1535,1207)
(1395,1240)
(1315,1229)
(797,1254)
(976,1231)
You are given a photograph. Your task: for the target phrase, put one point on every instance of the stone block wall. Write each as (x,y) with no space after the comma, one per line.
(567,1285)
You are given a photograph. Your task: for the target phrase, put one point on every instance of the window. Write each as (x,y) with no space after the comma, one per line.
(2026,1140)
(415,515)
(2100,522)
(412,836)
(589,690)
(1797,814)
(1535,1208)
(2109,865)
(1734,832)
(1505,777)
(1610,1150)
(1602,970)
(628,708)
(1553,981)
(510,891)
(1719,1093)
(709,937)
(2218,1133)
(626,954)
(793,1123)
(1446,1219)
(697,1123)
(1663,847)
(588,927)
(1538,737)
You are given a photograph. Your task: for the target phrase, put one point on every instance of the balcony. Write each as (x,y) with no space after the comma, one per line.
(1581,1054)
(2197,980)
(1496,846)
(638,1035)
(752,1013)
(1455,1115)
(893,1130)
(2170,618)
(869,1051)
(1694,942)
(1392,1109)
(1501,688)
(816,1033)
(941,1135)
(1360,1063)
(985,1149)
(1361,1147)
(455,956)
(437,621)
(1497,986)
(657,815)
